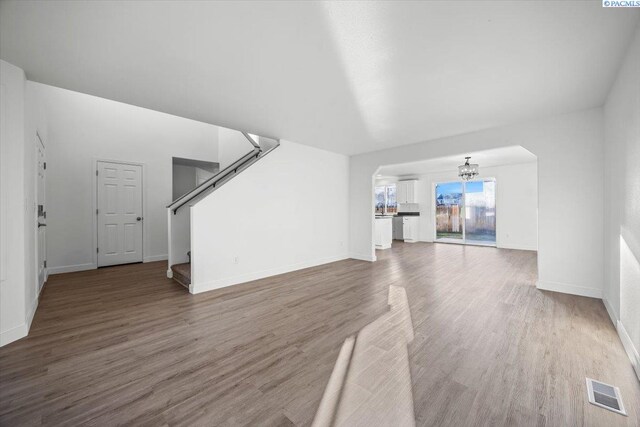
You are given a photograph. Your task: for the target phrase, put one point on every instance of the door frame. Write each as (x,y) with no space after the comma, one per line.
(94,198)
(39,289)
(462,241)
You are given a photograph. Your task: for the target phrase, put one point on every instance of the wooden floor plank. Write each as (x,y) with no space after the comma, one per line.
(126,345)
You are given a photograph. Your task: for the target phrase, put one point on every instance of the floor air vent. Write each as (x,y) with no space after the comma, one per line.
(605,395)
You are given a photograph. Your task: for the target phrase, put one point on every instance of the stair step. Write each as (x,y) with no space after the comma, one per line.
(182,273)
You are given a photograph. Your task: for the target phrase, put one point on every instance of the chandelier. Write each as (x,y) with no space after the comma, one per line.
(468,171)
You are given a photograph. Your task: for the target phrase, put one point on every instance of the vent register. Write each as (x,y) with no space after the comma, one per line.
(606,396)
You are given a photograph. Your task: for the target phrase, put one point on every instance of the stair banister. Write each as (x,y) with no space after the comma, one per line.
(220,177)
(211,182)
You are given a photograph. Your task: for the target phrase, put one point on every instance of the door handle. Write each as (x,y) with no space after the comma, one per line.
(139,218)
(41,225)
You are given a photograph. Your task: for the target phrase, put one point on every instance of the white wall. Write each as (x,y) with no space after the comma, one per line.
(12,186)
(232,145)
(82,128)
(569,149)
(290,211)
(18,263)
(516,203)
(184,180)
(35,124)
(180,226)
(622,202)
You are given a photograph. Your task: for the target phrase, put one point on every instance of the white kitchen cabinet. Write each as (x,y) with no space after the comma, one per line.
(407,191)
(401,192)
(410,228)
(397,228)
(383,232)
(412,191)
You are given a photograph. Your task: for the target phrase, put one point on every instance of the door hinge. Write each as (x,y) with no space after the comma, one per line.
(45,165)
(45,263)
(96,172)
(44,214)
(96,211)
(97,250)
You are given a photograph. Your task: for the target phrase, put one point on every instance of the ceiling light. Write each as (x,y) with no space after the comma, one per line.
(468,171)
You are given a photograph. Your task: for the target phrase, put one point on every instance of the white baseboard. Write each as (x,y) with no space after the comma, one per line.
(517,247)
(92,266)
(71,268)
(632,352)
(13,334)
(154,258)
(32,312)
(567,288)
(196,288)
(361,257)
(612,316)
(20,331)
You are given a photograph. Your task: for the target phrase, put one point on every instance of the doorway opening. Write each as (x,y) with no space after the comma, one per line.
(497,208)
(465,212)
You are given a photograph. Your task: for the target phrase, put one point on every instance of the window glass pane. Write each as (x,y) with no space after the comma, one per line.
(380,199)
(392,205)
(448,210)
(474,187)
(480,211)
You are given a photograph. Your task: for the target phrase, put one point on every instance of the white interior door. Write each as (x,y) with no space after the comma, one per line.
(119,213)
(42,213)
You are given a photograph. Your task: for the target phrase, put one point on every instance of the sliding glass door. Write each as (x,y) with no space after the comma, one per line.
(466,212)
(480,212)
(449,202)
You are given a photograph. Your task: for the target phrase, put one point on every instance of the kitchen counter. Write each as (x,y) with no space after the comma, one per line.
(399,214)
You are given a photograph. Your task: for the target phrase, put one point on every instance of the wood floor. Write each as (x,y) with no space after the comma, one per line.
(125,345)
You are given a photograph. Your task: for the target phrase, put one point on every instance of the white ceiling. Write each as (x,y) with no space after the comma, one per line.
(487,158)
(349,77)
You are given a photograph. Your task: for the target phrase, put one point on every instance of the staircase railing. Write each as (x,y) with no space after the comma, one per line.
(222,176)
